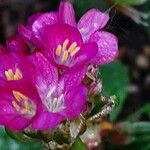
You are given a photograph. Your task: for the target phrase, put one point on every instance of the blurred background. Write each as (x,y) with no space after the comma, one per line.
(128,77)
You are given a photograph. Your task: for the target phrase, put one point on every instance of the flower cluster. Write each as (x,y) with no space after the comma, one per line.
(43,68)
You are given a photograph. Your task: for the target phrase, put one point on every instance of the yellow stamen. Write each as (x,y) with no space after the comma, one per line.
(65,44)
(24,111)
(75,51)
(65,56)
(16,106)
(72,47)
(9,75)
(18,74)
(58,50)
(13,76)
(20,97)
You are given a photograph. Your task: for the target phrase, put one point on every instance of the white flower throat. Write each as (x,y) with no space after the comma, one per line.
(54,104)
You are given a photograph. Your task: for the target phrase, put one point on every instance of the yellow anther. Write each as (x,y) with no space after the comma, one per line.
(13,76)
(9,75)
(20,97)
(72,47)
(58,50)
(64,51)
(65,44)
(65,56)
(24,111)
(75,51)
(18,74)
(16,106)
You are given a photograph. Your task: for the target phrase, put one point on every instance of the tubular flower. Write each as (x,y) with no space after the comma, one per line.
(59,100)
(67,43)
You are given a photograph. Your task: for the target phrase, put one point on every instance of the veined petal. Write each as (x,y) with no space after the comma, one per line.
(91,22)
(16,45)
(107,47)
(66,13)
(75,101)
(42,73)
(74,76)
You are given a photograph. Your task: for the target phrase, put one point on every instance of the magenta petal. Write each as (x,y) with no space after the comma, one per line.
(3,50)
(43,21)
(6,62)
(66,13)
(16,45)
(32,19)
(57,34)
(24,33)
(87,52)
(75,101)
(91,22)
(107,47)
(47,120)
(74,76)
(10,119)
(42,73)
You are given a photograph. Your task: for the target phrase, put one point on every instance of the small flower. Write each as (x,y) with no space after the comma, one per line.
(18,104)
(67,43)
(60,100)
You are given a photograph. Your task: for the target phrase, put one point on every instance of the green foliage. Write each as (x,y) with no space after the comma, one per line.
(130,2)
(144,110)
(6,143)
(79,145)
(115,81)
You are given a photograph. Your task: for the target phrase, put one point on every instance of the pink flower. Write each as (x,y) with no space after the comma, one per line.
(62,97)
(19,100)
(33,94)
(15,46)
(67,43)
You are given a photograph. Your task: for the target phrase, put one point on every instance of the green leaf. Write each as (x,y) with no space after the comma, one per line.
(143,110)
(136,128)
(79,145)
(130,2)
(6,143)
(115,81)
(18,136)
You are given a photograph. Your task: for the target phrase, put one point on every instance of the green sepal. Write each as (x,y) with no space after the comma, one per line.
(79,145)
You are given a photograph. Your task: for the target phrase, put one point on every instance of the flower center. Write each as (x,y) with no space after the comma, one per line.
(65,51)
(54,103)
(22,104)
(10,75)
